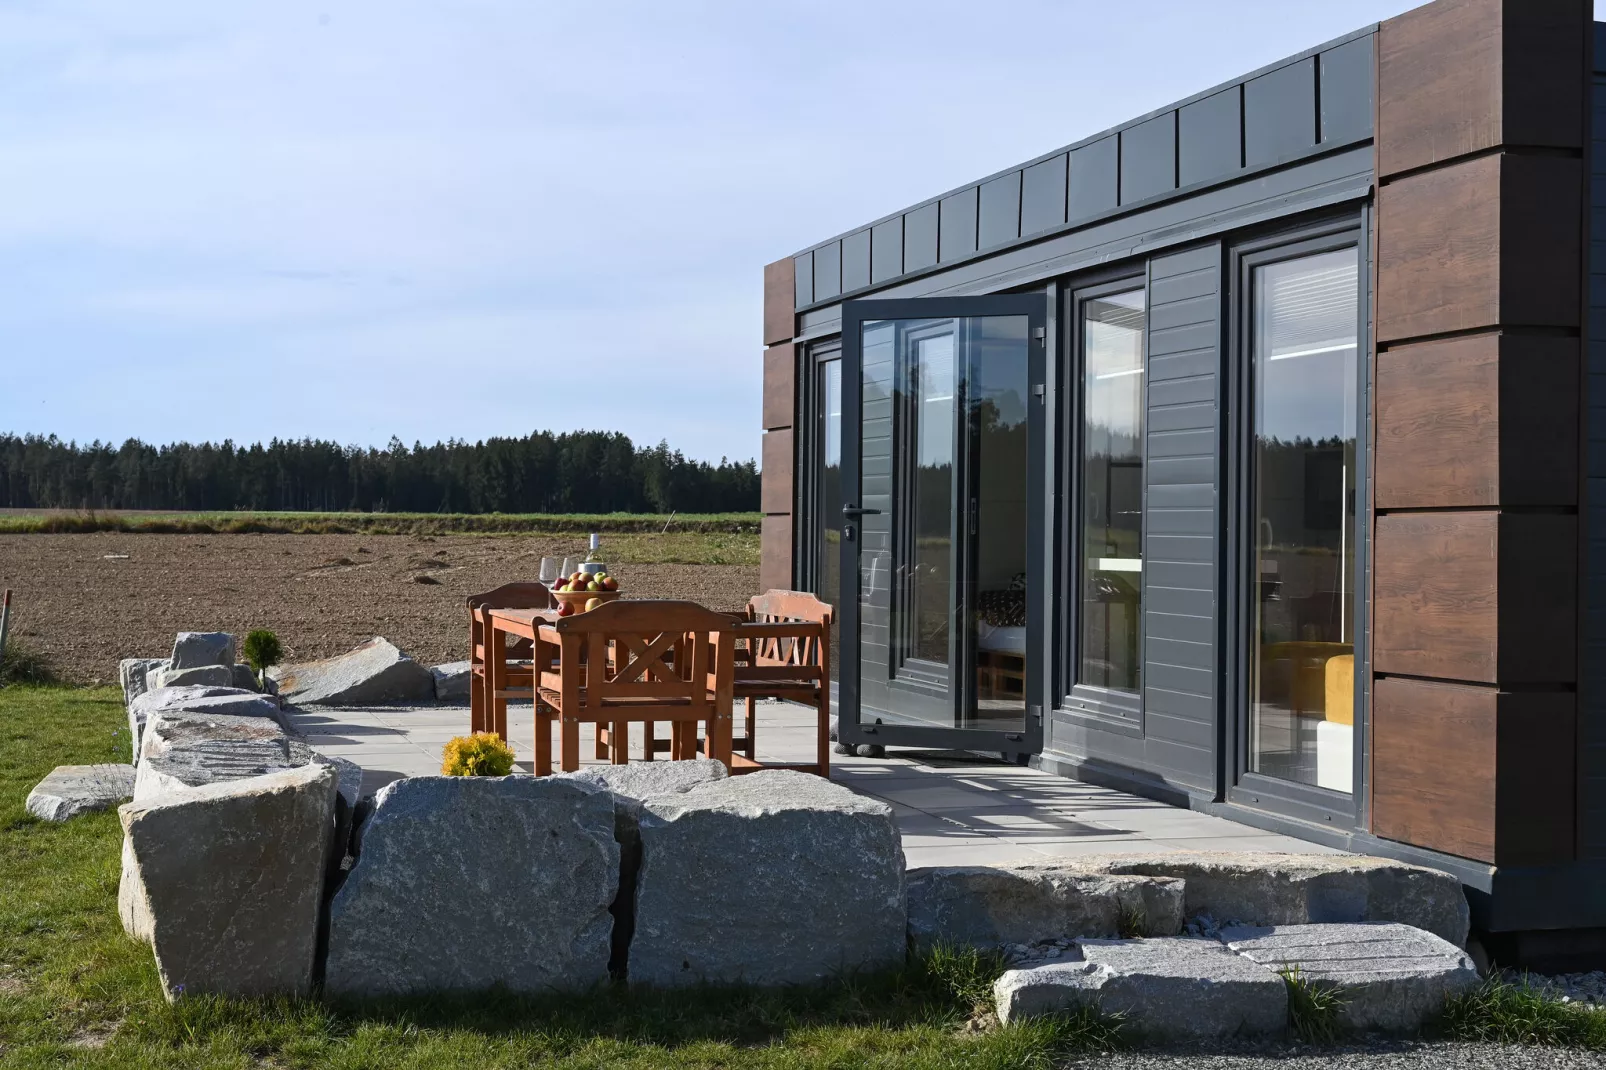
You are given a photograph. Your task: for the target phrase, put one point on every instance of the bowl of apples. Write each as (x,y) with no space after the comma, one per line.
(583,591)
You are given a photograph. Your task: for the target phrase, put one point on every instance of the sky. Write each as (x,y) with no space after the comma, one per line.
(354,220)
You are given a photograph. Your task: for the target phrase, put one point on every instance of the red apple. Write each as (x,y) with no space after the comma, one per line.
(610,584)
(566,609)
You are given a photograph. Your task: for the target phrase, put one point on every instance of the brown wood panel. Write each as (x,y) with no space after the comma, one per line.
(775,555)
(780,386)
(780,297)
(775,475)
(1538,598)
(1438,251)
(1535,821)
(1436,595)
(1433,765)
(1463,76)
(1541,240)
(1438,83)
(1481,420)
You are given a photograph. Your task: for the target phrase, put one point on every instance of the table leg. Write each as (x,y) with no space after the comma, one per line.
(619,740)
(496,681)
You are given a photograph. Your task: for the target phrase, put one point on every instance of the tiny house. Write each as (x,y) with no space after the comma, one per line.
(1250,456)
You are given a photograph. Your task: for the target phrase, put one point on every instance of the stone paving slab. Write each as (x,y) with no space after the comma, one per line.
(1392,978)
(1167,988)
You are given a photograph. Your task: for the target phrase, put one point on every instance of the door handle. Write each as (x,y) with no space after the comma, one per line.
(856,511)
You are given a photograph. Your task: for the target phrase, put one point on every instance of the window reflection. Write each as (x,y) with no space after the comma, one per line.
(1302,672)
(1112,491)
(828,433)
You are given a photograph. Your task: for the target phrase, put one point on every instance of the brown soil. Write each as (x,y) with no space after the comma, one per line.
(322,594)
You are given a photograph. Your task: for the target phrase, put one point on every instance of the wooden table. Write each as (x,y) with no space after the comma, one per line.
(536,625)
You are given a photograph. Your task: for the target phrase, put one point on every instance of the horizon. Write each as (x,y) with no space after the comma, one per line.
(374,222)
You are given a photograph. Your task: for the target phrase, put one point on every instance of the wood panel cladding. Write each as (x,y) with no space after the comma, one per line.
(780,386)
(1473,771)
(775,555)
(1488,597)
(1456,77)
(1491,241)
(780,295)
(775,475)
(1481,420)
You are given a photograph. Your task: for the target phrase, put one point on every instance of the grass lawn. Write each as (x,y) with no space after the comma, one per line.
(75,991)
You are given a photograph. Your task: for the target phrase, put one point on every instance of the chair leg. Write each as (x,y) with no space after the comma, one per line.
(476,701)
(650,743)
(823,733)
(751,748)
(619,743)
(570,731)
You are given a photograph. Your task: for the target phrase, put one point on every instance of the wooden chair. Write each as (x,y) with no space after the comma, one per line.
(783,651)
(487,712)
(619,664)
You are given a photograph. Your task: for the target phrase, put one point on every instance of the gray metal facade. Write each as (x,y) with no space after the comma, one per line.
(1592,669)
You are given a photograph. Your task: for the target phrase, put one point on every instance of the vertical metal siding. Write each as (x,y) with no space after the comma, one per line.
(1592,678)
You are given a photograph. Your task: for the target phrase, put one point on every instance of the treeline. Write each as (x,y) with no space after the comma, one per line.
(574,472)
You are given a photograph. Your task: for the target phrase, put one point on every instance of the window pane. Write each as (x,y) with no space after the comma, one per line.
(828,433)
(1112,491)
(1303,656)
(931,380)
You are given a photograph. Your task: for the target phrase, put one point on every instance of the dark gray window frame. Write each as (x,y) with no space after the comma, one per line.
(1244,788)
(808,510)
(1100,707)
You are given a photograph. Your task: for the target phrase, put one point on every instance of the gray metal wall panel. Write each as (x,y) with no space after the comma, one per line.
(1149,158)
(1042,195)
(1180,521)
(1280,113)
(999,213)
(1592,681)
(886,250)
(828,271)
(803,276)
(1095,177)
(957,230)
(920,237)
(855,261)
(1210,137)
(1346,91)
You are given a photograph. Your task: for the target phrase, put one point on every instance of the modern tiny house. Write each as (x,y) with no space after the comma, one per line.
(1249,456)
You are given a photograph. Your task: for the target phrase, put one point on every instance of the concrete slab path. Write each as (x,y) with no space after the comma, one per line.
(953,808)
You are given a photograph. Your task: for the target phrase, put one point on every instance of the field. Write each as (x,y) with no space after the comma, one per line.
(245,522)
(86,600)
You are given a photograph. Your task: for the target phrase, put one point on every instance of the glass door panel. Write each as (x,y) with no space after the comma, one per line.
(828,507)
(1304,380)
(938,531)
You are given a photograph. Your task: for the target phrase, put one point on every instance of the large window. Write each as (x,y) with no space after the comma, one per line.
(828,495)
(1110,584)
(1304,339)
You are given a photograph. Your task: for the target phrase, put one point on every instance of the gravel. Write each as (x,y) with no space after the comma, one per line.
(1588,989)
(1382,1055)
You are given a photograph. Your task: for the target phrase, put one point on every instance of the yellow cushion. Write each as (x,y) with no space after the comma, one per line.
(1341,689)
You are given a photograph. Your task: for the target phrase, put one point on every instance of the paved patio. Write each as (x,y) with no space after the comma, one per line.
(953,809)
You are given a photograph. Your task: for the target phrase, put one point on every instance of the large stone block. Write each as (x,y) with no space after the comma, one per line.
(1254,888)
(375,673)
(1168,988)
(194,649)
(230,701)
(996,906)
(465,883)
(1391,978)
(770,878)
(71,790)
(244,677)
(230,881)
(185,750)
(134,674)
(452,681)
(195,676)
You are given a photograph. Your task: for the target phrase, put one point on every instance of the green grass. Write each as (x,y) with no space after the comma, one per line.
(245,522)
(1313,1009)
(74,990)
(1502,1012)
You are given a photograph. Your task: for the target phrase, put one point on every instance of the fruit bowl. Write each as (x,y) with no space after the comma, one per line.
(578,599)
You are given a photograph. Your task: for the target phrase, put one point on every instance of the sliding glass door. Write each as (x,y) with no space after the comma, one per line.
(942,438)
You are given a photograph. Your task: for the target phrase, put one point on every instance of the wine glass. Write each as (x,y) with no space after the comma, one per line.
(549,570)
(570,567)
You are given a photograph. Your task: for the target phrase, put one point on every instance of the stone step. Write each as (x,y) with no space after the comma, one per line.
(1391,977)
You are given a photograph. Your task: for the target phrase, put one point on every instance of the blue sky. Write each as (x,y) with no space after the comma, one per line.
(354,220)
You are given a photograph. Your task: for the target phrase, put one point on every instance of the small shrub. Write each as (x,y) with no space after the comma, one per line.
(1312,1009)
(1505,1012)
(22,664)
(261,650)
(482,754)
(1132,922)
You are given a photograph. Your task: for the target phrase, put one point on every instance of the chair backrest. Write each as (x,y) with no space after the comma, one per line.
(791,631)
(519,595)
(661,649)
(779,606)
